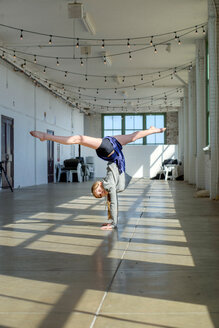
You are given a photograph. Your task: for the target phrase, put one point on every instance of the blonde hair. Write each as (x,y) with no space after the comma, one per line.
(108,206)
(93,189)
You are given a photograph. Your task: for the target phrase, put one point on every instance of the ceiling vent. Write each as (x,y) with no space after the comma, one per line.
(75,10)
(85,50)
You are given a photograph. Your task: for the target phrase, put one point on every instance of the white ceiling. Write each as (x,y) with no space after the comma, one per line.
(118,19)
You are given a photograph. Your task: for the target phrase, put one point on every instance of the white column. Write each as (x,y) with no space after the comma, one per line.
(191,127)
(185,120)
(213,36)
(181,132)
(35,142)
(201,113)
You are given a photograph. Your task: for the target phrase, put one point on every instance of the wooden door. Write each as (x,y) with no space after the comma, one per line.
(7,150)
(50,158)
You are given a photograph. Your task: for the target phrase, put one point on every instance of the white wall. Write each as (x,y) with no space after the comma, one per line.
(145,161)
(21,100)
(141,161)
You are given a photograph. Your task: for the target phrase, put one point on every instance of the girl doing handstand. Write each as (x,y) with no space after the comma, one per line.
(110,150)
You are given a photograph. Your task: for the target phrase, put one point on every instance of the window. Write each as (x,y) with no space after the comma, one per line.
(207,98)
(112,125)
(129,123)
(158,121)
(134,123)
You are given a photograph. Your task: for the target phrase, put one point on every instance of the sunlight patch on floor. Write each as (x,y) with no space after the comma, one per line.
(49,216)
(66,244)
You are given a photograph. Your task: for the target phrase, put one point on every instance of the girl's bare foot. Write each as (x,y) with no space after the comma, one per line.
(157,130)
(38,134)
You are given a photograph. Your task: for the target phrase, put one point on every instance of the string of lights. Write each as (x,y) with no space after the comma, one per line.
(152,99)
(136,106)
(66,73)
(71,101)
(172,91)
(152,82)
(102,40)
(176,35)
(79,104)
(129,52)
(134,87)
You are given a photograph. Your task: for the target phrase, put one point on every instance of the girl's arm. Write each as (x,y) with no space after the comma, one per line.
(110,185)
(113,205)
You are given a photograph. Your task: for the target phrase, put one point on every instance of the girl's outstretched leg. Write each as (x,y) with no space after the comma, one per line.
(77,139)
(127,138)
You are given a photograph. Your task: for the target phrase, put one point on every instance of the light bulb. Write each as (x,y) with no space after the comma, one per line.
(50,39)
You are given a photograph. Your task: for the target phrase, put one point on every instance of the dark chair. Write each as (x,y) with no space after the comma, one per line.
(73,165)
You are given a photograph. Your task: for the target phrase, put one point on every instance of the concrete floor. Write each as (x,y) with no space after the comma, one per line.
(160,269)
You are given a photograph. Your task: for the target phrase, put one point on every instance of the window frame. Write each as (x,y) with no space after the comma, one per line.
(144,124)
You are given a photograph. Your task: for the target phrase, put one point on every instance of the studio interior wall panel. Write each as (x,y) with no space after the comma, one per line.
(33,107)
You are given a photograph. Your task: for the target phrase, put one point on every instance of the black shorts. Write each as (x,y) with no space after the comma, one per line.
(105,148)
